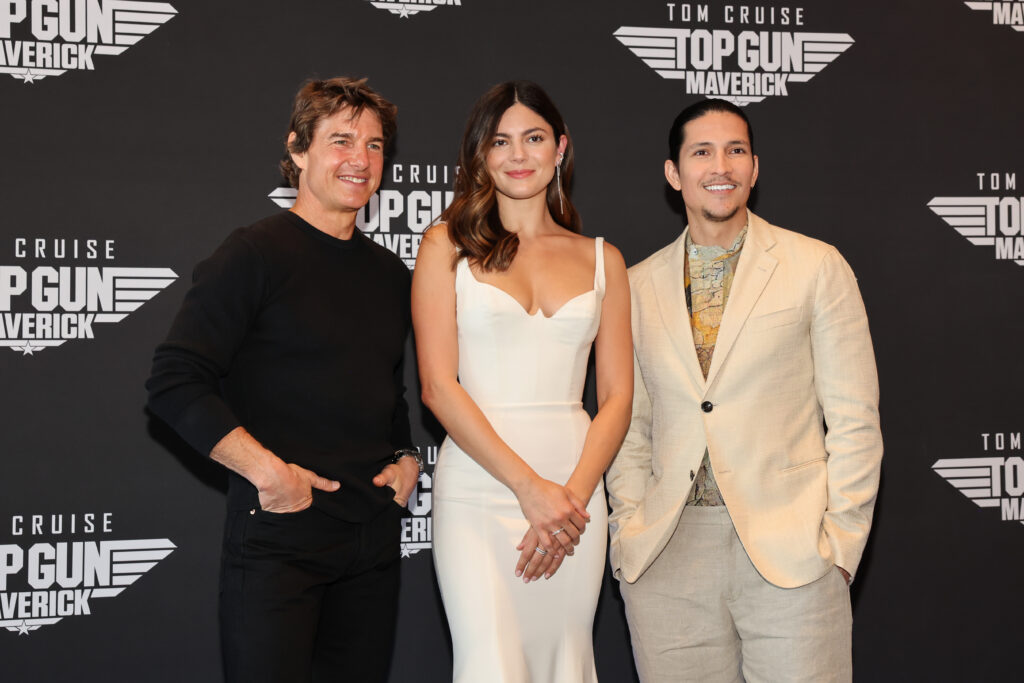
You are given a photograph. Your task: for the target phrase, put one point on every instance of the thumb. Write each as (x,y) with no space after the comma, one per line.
(578,504)
(385,477)
(323,483)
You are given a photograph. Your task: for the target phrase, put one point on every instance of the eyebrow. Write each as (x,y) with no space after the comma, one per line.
(350,136)
(709,144)
(525,132)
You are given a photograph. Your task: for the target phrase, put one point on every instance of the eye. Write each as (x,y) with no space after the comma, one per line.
(375,146)
(738,150)
(499,142)
(536,137)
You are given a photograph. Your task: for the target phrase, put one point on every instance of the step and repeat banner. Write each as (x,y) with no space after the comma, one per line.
(137,135)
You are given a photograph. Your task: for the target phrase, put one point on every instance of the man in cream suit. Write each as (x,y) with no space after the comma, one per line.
(742,496)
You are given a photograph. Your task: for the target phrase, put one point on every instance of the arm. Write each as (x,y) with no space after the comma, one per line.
(184,387)
(846,384)
(632,468)
(283,487)
(403,475)
(613,350)
(547,505)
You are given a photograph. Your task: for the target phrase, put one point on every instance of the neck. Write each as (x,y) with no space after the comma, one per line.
(708,233)
(338,224)
(526,217)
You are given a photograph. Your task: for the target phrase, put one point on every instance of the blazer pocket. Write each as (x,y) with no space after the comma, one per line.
(786,316)
(802,465)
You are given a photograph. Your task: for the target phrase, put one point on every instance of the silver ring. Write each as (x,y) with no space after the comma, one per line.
(541,551)
(558,531)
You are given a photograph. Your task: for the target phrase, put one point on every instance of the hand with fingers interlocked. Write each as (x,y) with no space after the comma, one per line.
(557,519)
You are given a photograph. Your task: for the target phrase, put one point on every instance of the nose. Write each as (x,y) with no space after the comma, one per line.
(359,158)
(722,163)
(518,150)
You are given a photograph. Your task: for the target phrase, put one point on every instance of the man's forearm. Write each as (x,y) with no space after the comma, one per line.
(241,453)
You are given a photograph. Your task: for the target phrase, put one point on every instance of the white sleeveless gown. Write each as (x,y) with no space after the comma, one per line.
(526,373)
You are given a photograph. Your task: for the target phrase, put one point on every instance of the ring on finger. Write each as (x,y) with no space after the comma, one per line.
(541,551)
(558,531)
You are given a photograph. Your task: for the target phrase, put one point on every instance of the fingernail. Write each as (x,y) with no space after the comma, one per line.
(547,576)
(519,573)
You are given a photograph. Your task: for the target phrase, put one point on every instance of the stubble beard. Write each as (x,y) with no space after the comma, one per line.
(719,218)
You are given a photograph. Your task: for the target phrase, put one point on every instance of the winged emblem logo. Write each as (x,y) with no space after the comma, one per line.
(1003,13)
(115,566)
(677,53)
(981,480)
(972,217)
(132,287)
(107,27)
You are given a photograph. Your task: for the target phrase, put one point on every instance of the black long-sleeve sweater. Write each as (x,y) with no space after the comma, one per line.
(298,337)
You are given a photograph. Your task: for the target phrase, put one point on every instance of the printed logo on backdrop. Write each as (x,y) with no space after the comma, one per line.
(740,53)
(418,530)
(409,8)
(40,38)
(52,301)
(992,219)
(1003,13)
(60,563)
(396,218)
(993,480)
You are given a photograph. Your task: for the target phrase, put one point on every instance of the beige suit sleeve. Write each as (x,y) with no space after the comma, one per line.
(846,383)
(627,477)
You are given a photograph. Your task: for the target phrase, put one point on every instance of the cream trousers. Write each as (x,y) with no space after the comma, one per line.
(703,613)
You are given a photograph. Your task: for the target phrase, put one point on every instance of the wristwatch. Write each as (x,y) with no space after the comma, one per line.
(414,454)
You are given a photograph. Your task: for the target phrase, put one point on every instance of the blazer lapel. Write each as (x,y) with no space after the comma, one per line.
(671,300)
(753,270)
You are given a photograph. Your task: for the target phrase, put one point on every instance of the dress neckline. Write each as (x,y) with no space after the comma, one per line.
(598,280)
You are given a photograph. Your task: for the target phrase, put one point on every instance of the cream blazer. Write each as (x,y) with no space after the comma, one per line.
(788,413)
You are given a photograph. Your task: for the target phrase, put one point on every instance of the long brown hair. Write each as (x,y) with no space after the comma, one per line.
(473,222)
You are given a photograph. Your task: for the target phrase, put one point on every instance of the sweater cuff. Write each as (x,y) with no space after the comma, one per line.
(205,422)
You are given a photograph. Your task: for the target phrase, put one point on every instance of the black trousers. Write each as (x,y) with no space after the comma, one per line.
(307,597)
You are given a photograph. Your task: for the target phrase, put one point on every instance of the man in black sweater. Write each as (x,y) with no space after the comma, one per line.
(284,364)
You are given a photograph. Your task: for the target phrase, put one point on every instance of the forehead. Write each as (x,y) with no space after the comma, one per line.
(366,124)
(519,117)
(715,126)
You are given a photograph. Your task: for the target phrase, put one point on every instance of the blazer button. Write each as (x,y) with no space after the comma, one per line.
(707,406)
(691,475)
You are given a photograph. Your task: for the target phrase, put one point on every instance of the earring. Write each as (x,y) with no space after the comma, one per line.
(558,179)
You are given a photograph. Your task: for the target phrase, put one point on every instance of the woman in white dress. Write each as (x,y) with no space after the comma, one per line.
(508,299)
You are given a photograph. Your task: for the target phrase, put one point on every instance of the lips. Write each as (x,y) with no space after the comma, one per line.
(720,187)
(519,175)
(353,179)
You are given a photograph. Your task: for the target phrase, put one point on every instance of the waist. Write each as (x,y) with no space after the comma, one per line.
(546,408)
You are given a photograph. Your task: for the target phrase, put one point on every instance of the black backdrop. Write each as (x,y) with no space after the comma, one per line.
(902,149)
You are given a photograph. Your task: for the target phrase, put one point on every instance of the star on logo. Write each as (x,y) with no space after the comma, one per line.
(405,551)
(28,349)
(403,13)
(23,628)
(29,77)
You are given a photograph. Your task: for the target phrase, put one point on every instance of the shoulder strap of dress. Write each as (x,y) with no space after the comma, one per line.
(599,264)
(461,268)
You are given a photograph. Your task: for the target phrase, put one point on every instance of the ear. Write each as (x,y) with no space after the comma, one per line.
(672,175)
(563,143)
(298,158)
(753,178)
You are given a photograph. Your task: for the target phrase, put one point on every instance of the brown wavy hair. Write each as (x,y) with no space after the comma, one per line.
(473,222)
(319,99)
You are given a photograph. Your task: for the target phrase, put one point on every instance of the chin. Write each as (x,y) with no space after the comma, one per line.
(720,217)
